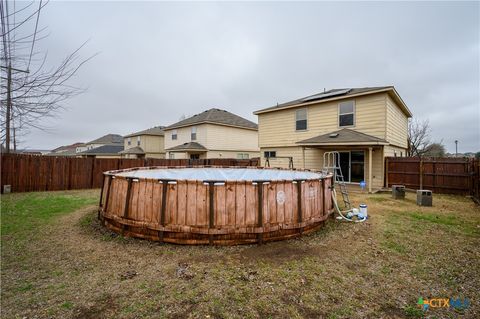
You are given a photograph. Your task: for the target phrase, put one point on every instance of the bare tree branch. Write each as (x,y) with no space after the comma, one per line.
(30,91)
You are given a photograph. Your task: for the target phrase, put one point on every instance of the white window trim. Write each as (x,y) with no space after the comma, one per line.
(193,130)
(306,119)
(354,114)
(174,133)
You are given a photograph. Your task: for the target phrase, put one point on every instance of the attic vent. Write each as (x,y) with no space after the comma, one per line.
(333,135)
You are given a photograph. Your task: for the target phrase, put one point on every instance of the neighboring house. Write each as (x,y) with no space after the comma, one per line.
(105,140)
(213,133)
(81,148)
(364,124)
(148,143)
(66,150)
(104,151)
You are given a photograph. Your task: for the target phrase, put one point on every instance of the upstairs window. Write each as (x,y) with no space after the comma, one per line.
(193,135)
(269,154)
(174,134)
(138,140)
(301,120)
(346,113)
(129,141)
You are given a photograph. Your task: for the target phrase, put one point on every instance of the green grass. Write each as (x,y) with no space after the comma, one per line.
(23,213)
(413,312)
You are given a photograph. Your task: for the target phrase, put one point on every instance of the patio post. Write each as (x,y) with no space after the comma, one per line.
(370,155)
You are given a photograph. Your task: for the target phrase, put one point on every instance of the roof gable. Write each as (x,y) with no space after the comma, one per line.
(215,116)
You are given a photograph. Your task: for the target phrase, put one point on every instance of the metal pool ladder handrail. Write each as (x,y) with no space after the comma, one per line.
(331,164)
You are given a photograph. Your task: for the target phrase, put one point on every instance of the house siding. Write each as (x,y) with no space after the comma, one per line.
(278,128)
(397,125)
(184,136)
(225,138)
(152,145)
(221,141)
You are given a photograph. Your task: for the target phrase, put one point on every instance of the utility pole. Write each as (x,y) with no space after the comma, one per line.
(456,148)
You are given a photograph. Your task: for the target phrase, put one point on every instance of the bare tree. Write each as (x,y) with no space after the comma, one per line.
(418,137)
(435,150)
(30,91)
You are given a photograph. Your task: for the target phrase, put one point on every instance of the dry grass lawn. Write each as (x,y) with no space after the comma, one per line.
(58,262)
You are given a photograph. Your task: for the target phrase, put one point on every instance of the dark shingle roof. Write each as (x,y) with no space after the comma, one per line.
(334,93)
(108,139)
(157,130)
(215,116)
(187,147)
(133,150)
(343,136)
(103,150)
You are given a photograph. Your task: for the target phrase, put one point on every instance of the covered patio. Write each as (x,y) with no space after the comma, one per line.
(191,150)
(361,155)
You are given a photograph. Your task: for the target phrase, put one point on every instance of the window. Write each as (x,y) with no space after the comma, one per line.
(270,154)
(174,134)
(193,135)
(301,120)
(129,141)
(171,155)
(346,113)
(138,140)
(242,156)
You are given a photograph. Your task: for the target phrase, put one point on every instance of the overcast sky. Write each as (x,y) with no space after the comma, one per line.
(159,61)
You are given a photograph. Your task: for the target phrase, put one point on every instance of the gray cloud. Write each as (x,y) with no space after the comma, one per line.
(161,60)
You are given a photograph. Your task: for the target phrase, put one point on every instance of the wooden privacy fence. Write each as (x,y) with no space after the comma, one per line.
(441,175)
(29,173)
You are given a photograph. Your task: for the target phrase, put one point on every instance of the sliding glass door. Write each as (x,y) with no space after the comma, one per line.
(352,164)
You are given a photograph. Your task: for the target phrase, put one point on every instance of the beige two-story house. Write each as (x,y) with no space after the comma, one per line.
(147,143)
(364,124)
(213,133)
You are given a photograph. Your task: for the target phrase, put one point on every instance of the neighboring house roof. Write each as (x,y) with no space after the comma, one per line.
(191,146)
(336,94)
(67,147)
(108,149)
(108,139)
(157,130)
(343,137)
(215,116)
(134,150)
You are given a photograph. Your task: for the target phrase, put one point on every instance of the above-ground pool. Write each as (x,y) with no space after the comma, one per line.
(213,205)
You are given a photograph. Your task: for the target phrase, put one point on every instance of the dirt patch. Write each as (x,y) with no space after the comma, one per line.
(275,252)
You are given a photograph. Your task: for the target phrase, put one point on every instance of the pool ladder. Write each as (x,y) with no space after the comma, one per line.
(331,164)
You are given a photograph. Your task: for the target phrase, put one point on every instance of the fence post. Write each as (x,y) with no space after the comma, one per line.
(386,172)
(421,173)
(92,175)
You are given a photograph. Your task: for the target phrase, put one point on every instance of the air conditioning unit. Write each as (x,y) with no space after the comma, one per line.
(398,191)
(424,197)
